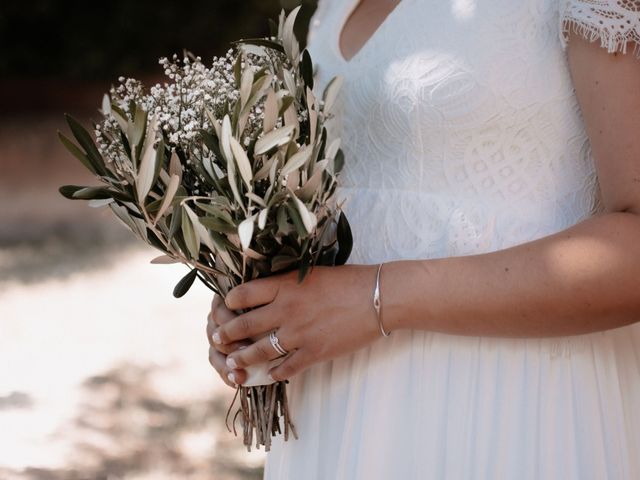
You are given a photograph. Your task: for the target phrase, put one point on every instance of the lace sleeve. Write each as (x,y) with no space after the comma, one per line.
(614,22)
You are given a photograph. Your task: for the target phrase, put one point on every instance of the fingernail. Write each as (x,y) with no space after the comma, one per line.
(270,377)
(242,347)
(231,363)
(231,377)
(216,337)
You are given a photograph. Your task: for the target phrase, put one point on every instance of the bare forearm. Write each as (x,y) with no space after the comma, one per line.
(583,279)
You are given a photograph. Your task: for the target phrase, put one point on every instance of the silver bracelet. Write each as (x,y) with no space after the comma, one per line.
(377,303)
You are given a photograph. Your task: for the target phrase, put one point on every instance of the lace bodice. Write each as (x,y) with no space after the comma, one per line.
(460,125)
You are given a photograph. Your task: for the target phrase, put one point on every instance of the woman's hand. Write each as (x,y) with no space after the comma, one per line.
(220,315)
(328,314)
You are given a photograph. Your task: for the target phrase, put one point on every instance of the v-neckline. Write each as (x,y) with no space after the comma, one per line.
(345,19)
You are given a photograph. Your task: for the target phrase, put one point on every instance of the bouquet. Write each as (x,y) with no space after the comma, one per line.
(230,170)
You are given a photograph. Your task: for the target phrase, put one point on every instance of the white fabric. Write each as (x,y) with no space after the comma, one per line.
(462,135)
(614,23)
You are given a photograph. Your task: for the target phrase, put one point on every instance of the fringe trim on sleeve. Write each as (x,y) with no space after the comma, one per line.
(613,42)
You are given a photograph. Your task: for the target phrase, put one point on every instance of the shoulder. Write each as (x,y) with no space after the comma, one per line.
(615,23)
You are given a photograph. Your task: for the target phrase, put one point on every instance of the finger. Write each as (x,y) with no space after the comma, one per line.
(246,325)
(215,300)
(221,314)
(291,366)
(231,347)
(258,352)
(254,293)
(218,362)
(212,326)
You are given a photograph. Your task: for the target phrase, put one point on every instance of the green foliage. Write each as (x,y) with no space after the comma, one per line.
(235,199)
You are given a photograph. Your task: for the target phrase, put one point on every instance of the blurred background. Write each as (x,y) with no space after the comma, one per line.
(103,374)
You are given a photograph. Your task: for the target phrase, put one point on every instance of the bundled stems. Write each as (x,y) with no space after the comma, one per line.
(260,409)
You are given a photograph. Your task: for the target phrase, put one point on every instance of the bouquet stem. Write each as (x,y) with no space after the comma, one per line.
(261,407)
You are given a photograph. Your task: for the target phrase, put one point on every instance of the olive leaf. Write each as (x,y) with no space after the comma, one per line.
(345,240)
(296,219)
(263,172)
(123,215)
(201,233)
(257,92)
(312,109)
(176,223)
(306,69)
(289,42)
(285,102)
(275,138)
(312,185)
(308,218)
(190,236)
(225,138)
(262,42)
(245,231)
(121,118)
(185,283)
(246,83)
(99,203)
(149,165)
(86,142)
(289,81)
(331,91)
(244,165)
(164,260)
(296,161)
(172,188)
(270,115)
(217,225)
(68,191)
(256,199)
(139,126)
(262,218)
(338,162)
(76,152)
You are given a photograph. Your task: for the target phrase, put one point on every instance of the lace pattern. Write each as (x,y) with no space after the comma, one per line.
(457,143)
(615,22)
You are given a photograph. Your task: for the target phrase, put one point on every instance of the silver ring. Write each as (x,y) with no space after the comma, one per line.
(276,345)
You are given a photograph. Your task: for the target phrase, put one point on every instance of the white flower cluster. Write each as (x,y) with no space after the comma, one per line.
(180,105)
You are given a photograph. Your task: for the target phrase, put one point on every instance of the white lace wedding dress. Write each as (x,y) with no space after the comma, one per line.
(463,135)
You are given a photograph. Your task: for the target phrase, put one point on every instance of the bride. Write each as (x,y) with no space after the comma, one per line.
(492,182)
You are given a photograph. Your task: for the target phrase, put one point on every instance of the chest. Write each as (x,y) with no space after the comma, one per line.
(457,96)
(430,43)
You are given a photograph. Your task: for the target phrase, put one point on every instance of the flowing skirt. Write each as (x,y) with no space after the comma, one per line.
(426,405)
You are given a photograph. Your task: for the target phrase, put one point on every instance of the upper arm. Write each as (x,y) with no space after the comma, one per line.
(607,86)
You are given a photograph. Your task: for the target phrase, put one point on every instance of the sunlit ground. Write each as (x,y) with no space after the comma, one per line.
(103,374)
